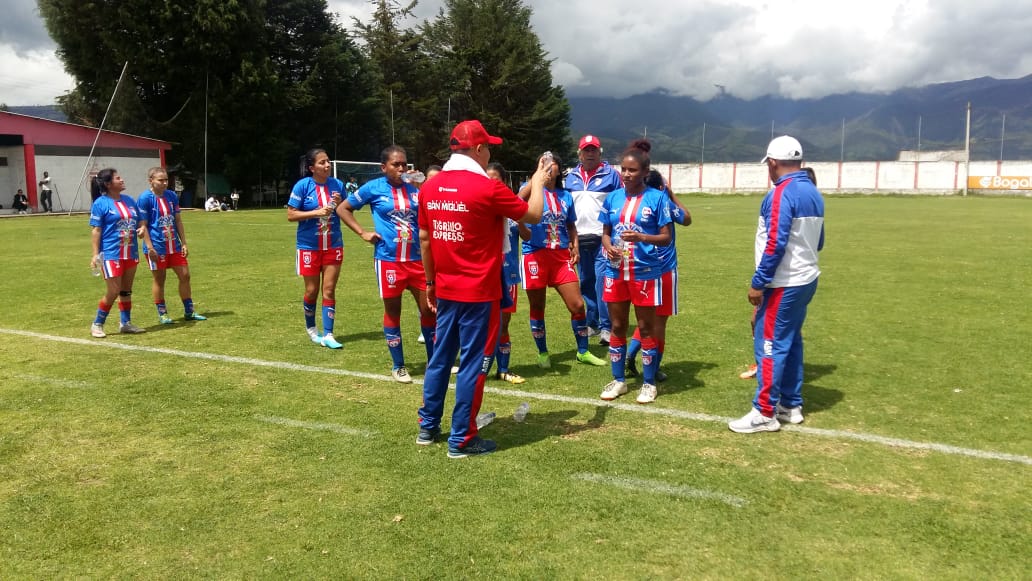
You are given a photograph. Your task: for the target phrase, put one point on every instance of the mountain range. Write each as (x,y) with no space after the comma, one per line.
(849,127)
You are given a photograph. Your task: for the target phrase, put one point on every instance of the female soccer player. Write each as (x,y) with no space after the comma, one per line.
(113,218)
(510,284)
(550,258)
(164,243)
(635,222)
(399,265)
(320,248)
(668,307)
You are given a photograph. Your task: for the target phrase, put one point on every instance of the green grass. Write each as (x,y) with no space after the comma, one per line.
(117,463)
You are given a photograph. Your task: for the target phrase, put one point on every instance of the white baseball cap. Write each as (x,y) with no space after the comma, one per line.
(784,148)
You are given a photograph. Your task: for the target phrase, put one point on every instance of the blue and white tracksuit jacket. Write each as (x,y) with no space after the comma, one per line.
(788,237)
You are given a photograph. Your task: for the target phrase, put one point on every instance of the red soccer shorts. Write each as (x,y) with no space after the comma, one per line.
(116,268)
(310,262)
(547,267)
(668,297)
(394,277)
(167,261)
(641,293)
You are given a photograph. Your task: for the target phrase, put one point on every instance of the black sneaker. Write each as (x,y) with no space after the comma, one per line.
(427,437)
(475,447)
(631,368)
(660,376)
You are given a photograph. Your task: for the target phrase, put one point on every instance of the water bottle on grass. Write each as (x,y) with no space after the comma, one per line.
(521,412)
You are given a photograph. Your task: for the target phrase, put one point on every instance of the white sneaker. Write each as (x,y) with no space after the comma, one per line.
(593,332)
(790,415)
(97,331)
(647,393)
(603,337)
(752,422)
(401,375)
(313,334)
(130,329)
(613,390)
(420,339)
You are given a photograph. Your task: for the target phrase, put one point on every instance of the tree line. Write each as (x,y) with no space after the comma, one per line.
(266,80)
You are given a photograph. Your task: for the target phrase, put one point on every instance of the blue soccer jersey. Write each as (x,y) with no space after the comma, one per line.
(669,253)
(160,214)
(117,222)
(317,234)
(551,232)
(395,217)
(648,213)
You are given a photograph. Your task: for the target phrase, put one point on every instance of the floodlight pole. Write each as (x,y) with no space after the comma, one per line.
(967,150)
(1003,132)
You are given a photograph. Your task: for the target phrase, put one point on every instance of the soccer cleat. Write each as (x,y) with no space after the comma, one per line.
(647,394)
(613,390)
(590,359)
(421,339)
(130,329)
(544,362)
(192,316)
(748,373)
(477,446)
(790,415)
(427,437)
(401,375)
(603,337)
(165,319)
(510,377)
(313,333)
(328,341)
(753,422)
(97,330)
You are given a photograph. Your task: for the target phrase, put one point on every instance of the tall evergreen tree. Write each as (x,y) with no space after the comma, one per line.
(494,69)
(410,98)
(272,78)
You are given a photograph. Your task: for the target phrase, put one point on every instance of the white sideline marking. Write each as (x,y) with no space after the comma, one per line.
(656,486)
(634,408)
(316,426)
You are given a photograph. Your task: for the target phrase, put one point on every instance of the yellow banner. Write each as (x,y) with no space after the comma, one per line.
(1000,182)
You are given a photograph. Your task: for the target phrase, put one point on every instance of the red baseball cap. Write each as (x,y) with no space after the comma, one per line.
(589,141)
(470,134)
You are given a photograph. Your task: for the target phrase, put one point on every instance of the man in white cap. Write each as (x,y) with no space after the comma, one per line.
(788,237)
(589,183)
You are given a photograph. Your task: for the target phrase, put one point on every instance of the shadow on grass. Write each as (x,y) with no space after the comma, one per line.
(681,375)
(511,434)
(817,398)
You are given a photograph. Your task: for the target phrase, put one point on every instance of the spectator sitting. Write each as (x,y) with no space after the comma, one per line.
(212,205)
(21,202)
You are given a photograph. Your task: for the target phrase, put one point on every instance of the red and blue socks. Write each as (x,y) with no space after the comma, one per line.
(618,357)
(537,330)
(392,333)
(579,322)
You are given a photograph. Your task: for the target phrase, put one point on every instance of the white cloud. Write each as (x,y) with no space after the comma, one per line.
(35,77)
(793,48)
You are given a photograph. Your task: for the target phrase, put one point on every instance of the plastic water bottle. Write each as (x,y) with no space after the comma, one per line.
(548,157)
(484,419)
(618,243)
(521,412)
(413,177)
(95,269)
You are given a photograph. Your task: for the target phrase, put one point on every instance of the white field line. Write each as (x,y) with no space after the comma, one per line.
(657,487)
(59,382)
(634,408)
(337,428)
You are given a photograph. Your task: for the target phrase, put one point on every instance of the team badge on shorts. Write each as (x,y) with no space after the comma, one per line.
(306,257)
(533,266)
(609,282)
(392,277)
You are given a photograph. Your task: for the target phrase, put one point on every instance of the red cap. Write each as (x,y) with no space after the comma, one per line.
(469,134)
(589,141)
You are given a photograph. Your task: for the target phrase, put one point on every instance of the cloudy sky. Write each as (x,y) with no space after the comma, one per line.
(793,48)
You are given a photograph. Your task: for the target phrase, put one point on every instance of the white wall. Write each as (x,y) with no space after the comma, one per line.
(66,175)
(904,177)
(12,177)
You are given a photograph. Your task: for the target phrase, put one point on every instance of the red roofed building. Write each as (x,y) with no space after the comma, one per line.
(31,145)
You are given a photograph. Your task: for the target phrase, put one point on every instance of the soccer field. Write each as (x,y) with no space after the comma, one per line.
(235,448)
